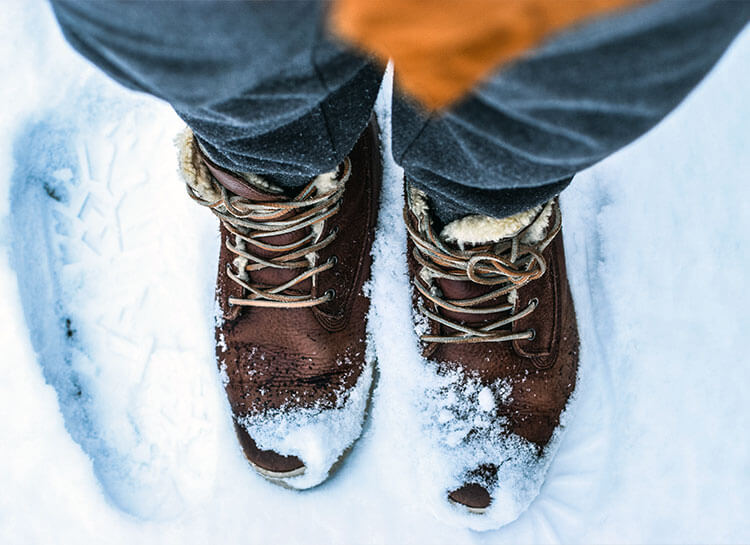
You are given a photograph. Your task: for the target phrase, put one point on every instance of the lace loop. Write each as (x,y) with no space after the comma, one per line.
(500,269)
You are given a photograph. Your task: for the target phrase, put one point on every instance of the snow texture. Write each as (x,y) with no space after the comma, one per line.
(114,424)
(318,437)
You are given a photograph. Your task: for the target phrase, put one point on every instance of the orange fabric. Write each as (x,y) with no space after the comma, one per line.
(442,48)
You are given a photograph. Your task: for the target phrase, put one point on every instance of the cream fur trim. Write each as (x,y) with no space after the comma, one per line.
(193,172)
(476,229)
(260,183)
(418,202)
(324,183)
(483,229)
(327,182)
(538,229)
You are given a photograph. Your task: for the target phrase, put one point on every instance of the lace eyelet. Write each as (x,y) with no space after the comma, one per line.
(534,301)
(333,260)
(331,293)
(533,334)
(335,230)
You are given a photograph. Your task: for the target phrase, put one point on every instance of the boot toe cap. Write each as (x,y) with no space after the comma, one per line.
(268,463)
(473,496)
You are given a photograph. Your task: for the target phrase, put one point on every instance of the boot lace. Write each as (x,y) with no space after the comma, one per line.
(506,266)
(252,223)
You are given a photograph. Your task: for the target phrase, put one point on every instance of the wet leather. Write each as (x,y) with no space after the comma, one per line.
(542,370)
(276,358)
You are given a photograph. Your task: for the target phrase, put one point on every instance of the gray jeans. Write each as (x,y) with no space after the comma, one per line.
(266,90)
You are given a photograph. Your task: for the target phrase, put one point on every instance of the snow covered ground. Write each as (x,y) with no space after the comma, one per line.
(113,423)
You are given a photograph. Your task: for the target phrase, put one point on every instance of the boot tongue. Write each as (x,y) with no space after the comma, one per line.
(237,185)
(267,276)
(461,290)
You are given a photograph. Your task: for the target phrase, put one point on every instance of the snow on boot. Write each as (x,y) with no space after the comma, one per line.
(495,319)
(291,338)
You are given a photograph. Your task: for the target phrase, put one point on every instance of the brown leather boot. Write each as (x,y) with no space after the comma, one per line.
(492,306)
(291,335)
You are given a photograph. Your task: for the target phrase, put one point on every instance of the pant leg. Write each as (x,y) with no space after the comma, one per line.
(259,83)
(518,139)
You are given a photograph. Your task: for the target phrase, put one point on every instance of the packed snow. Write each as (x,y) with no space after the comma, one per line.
(114,424)
(320,437)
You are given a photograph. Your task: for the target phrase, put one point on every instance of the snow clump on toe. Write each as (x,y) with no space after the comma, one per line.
(317,436)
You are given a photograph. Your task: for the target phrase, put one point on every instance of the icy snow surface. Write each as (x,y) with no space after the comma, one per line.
(113,421)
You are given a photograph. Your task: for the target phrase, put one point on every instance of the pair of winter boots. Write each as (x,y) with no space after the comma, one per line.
(490,299)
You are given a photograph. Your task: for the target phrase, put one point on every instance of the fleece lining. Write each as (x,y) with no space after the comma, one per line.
(483,229)
(195,174)
(476,229)
(193,171)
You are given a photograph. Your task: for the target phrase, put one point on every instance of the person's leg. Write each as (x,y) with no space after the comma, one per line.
(518,139)
(259,83)
(492,304)
(267,93)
